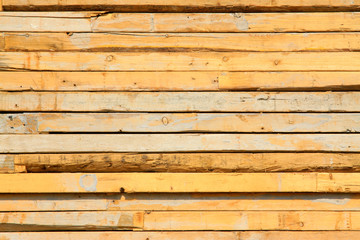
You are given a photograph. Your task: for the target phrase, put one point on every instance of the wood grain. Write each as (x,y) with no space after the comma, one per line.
(183,61)
(180,102)
(200,235)
(177,81)
(261,42)
(178,22)
(179,122)
(179,182)
(180,202)
(42,221)
(181,162)
(77,143)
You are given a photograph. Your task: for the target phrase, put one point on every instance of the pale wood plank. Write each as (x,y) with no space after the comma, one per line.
(42,221)
(180,202)
(255,220)
(177,81)
(182,162)
(200,235)
(111,81)
(180,61)
(180,42)
(178,122)
(181,101)
(77,143)
(178,22)
(161,182)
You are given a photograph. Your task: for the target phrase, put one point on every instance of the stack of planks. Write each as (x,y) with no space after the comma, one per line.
(179,119)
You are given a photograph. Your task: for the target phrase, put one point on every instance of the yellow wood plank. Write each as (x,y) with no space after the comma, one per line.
(42,221)
(111,81)
(179,122)
(177,81)
(182,162)
(180,42)
(178,22)
(192,235)
(77,143)
(180,202)
(161,182)
(180,61)
(180,101)
(289,81)
(252,220)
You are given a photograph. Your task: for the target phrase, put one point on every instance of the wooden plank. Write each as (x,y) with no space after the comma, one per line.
(180,42)
(163,182)
(252,220)
(179,182)
(179,122)
(178,22)
(188,5)
(180,101)
(293,81)
(112,81)
(77,143)
(185,220)
(182,162)
(177,81)
(200,235)
(180,61)
(35,221)
(180,202)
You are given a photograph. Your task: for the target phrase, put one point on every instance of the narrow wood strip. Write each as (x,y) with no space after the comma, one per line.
(177,81)
(180,202)
(178,22)
(182,162)
(201,235)
(42,221)
(180,42)
(181,102)
(294,81)
(112,81)
(178,122)
(184,61)
(180,6)
(76,143)
(248,220)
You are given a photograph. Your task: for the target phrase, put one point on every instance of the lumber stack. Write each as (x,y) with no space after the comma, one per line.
(206,119)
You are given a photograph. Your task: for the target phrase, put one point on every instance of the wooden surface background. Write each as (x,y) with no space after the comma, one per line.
(207,119)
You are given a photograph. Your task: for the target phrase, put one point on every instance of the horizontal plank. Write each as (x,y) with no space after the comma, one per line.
(178,22)
(180,6)
(77,143)
(180,101)
(180,42)
(180,202)
(200,235)
(180,61)
(177,81)
(179,122)
(179,182)
(119,81)
(181,162)
(248,220)
(33,221)
(185,220)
